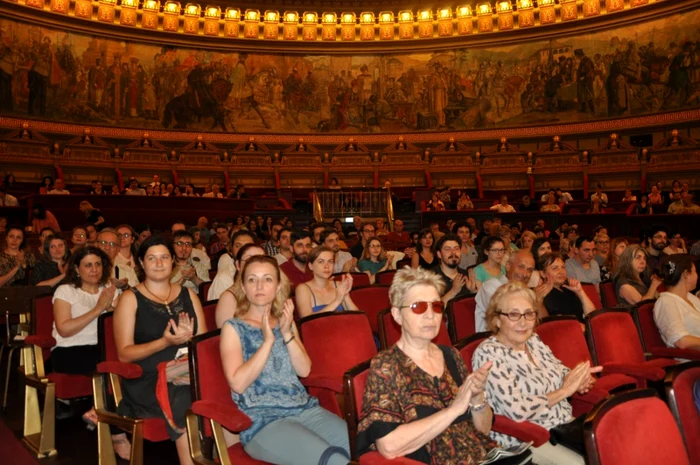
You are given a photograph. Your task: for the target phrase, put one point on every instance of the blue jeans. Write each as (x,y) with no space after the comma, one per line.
(316,436)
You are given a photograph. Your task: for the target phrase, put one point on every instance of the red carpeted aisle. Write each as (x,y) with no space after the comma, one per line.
(11,449)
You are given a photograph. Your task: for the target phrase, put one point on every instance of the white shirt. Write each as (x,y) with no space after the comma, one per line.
(280,258)
(128,262)
(224,277)
(341,258)
(81,302)
(57,192)
(675,318)
(500,208)
(203,258)
(126,272)
(9,201)
(201,272)
(483,297)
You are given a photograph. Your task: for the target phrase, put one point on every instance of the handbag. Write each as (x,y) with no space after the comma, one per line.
(177,371)
(570,435)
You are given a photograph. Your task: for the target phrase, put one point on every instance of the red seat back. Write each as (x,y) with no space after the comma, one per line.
(564,335)
(354,381)
(613,337)
(209,309)
(460,314)
(403,262)
(467,347)
(337,342)
(644,314)
(105,335)
(358,279)
(592,294)
(385,277)
(390,331)
(607,290)
(632,428)
(679,392)
(371,300)
(204,290)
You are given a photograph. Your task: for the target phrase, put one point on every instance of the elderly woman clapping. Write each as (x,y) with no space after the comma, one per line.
(420,401)
(527,382)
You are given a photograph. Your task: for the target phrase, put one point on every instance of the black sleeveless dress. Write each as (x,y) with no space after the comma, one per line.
(139,395)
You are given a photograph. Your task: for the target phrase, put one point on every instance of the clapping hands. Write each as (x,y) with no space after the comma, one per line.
(180,332)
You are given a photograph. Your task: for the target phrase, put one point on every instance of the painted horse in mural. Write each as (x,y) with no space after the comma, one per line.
(514,86)
(200,100)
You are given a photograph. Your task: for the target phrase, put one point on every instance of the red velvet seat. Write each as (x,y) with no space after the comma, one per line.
(679,385)
(204,291)
(654,346)
(40,434)
(607,292)
(385,278)
(564,336)
(633,428)
(592,294)
(212,403)
(358,279)
(371,300)
(460,314)
(209,309)
(390,331)
(335,343)
(615,344)
(525,430)
(108,379)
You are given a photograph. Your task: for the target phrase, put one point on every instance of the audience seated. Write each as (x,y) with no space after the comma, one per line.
(676,244)
(634,280)
(599,196)
(644,207)
(418,394)
(435,203)
(582,266)
(459,283)
(201,254)
(375,259)
(323,293)
(494,250)
(226,270)
(297,269)
(344,262)
(503,206)
(151,323)
(617,247)
(91,234)
(228,301)
(655,197)
(7,200)
(366,232)
(519,268)
(15,260)
(78,238)
(127,247)
(540,247)
(51,269)
(285,246)
(677,310)
(464,202)
(551,205)
(272,245)
(122,276)
(42,218)
(560,294)
(58,188)
(656,240)
(537,383)
(425,251)
(263,359)
(188,271)
(469,256)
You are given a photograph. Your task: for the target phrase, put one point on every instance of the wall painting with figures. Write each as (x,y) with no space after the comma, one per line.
(62,76)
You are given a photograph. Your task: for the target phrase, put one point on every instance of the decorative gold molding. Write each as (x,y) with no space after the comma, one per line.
(164,25)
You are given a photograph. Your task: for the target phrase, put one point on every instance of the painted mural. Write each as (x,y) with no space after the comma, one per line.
(55,75)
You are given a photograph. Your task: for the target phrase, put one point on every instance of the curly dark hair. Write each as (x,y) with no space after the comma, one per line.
(73,277)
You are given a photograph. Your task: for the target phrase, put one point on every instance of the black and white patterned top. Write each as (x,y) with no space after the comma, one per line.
(517,388)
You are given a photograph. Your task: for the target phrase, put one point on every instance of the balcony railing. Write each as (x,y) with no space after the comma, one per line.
(336,203)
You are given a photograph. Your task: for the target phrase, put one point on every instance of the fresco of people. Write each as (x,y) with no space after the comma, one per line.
(641,69)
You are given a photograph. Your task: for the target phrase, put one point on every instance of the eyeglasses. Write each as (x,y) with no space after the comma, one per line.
(515,316)
(125,235)
(107,243)
(47,235)
(420,308)
(183,244)
(497,250)
(79,235)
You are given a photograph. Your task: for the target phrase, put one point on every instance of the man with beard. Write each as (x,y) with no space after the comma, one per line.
(657,241)
(458,283)
(272,246)
(344,262)
(296,269)
(188,271)
(519,268)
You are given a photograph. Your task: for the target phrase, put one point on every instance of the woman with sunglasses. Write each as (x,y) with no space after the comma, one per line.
(402,414)
(492,267)
(263,358)
(536,382)
(560,294)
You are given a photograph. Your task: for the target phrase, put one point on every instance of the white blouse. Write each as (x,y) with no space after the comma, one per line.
(675,318)
(516,388)
(81,302)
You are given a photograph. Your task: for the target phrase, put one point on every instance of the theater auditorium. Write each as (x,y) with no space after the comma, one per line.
(340,232)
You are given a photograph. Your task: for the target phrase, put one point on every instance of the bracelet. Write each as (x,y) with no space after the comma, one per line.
(479,407)
(290,339)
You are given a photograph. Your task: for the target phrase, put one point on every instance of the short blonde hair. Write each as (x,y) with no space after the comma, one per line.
(407,277)
(508,290)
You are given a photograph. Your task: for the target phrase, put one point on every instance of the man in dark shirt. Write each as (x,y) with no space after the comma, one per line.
(657,241)
(458,283)
(297,269)
(368,231)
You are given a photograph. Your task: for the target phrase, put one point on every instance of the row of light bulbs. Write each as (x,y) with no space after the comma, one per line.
(311,17)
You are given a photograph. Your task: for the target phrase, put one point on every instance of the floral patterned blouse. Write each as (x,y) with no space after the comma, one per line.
(517,388)
(7,262)
(399,392)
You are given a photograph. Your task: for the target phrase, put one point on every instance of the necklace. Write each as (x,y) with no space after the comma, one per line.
(165,301)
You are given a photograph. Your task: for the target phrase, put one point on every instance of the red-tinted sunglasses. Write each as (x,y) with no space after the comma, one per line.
(420,308)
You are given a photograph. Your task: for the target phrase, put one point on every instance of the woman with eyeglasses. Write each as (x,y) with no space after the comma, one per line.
(127,249)
(228,300)
(420,401)
(494,249)
(527,382)
(52,268)
(78,238)
(263,358)
(15,260)
(676,244)
(375,259)
(559,294)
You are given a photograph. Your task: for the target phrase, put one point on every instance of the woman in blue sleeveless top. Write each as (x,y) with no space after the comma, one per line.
(323,293)
(263,358)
